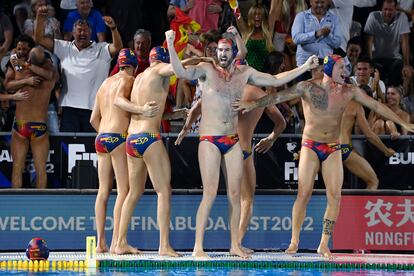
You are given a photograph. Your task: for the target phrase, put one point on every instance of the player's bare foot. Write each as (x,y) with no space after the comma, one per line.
(324,251)
(200,254)
(102,249)
(128,249)
(168,252)
(239,252)
(246,250)
(112,248)
(292,249)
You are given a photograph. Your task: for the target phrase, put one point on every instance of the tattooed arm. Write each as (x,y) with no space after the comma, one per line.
(291,93)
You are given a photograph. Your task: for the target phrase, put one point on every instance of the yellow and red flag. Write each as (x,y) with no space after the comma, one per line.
(182,24)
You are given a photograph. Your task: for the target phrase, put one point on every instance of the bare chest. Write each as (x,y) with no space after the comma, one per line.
(225,87)
(322,101)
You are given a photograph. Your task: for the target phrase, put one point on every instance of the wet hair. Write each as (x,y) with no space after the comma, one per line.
(273,62)
(144,33)
(25,38)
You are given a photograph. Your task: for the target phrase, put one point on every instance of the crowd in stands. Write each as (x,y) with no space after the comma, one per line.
(83,37)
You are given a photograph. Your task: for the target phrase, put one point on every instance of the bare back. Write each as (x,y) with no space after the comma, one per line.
(113,118)
(35,107)
(219,118)
(323,108)
(149,86)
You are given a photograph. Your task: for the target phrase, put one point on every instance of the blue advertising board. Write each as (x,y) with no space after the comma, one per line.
(64,221)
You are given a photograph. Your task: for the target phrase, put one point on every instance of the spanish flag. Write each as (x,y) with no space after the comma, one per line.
(181,24)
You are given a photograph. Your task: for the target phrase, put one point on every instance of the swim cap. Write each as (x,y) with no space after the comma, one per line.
(329,63)
(159,53)
(127,57)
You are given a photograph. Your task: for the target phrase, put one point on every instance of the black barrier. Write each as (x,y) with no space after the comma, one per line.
(276,169)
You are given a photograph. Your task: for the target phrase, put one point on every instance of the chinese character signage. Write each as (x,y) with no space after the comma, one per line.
(376,223)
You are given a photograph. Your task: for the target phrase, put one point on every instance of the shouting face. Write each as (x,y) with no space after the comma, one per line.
(339,72)
(224,53)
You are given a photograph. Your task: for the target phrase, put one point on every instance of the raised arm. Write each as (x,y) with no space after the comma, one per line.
(190,73)
(116,44)
(381,109)
(371,136)
(40,38)
(291,93)
(262,79)
(275,13)
(241,47)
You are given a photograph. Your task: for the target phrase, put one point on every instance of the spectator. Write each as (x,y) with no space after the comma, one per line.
(362,9)
(94,18)
(35,74)
(52,27)
(66,6)
(388,33)
(21,12)
(316,32)
(183,5)
(281,16)
(383,126)
(407,102)
(363,76)
(206,13)
(343,9)
(256,35)
(6,33)
(85,65)
(142,46)
(353,50)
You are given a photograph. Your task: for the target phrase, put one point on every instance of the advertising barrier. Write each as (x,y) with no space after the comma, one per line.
(277,169)
(375,223)
(64,221)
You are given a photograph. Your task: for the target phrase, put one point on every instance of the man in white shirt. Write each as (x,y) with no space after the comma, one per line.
(85,65)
